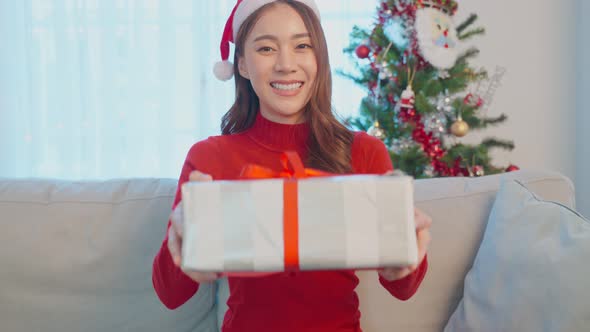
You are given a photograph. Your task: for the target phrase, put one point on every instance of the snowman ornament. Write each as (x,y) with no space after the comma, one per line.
(436,34)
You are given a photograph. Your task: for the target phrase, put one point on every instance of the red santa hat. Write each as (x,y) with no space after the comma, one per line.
(224,70)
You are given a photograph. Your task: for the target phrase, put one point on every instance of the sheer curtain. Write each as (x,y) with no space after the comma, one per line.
(100,89)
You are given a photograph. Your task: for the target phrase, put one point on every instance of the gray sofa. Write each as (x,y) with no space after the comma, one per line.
(77,256)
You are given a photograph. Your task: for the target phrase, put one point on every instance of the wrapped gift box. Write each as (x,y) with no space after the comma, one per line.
(339,222)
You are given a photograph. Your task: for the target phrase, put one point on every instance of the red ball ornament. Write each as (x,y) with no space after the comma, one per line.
(362,51)
(478,170)
(512,168)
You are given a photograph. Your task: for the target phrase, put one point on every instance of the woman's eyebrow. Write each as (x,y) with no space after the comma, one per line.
(275,38)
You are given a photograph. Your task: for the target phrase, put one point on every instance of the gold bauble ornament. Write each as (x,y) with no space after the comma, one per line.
(376,131)
(460,128)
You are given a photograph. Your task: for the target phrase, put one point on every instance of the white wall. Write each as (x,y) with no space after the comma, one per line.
(535,41)
(583,108)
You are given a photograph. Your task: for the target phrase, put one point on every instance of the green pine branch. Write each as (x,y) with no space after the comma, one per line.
(468,54)
(347,75)
(469,115)
(422,104)
(494,121)
(359,124)
(358,80)
(469,21)
(470,154)
(497,143)
(411,161)
(431,87)
(471,33)
(456,85)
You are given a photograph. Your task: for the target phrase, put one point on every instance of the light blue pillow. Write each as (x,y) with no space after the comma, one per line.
(532,270)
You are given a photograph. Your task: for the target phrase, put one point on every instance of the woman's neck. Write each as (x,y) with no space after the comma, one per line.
(280,136)
(286,119)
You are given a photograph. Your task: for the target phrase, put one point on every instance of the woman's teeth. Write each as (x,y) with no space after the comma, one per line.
(293,86)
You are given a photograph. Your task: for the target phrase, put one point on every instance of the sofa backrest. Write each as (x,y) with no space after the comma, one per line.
(77,256)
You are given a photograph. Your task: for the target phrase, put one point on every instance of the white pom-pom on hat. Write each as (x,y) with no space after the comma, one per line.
(224,69)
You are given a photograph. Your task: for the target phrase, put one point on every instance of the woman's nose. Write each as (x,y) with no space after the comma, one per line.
(285,62)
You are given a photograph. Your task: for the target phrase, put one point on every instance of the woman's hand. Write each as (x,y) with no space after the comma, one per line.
(423,222)
(175,235)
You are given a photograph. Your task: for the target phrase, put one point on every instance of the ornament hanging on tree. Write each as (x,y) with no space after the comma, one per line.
(408,98)
(429,171)
(436,124)
(436,33)
(443,74)
(477,170)
(472,100)
(460,128)
(384,71)
(376,131)
(399,145)
(396,146)
(443,103)
(512,168)
(362,51)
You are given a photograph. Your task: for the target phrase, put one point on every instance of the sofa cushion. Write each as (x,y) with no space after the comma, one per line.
(77,256)
(530,272)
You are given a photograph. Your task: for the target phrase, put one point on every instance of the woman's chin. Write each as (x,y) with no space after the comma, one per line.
(286,115)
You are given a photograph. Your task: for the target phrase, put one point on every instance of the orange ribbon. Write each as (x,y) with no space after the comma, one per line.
(292,171)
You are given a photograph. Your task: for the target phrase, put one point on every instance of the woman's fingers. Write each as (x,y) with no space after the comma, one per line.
(174,245)
(199,176)
(177,218)
(422,220)
(424,239)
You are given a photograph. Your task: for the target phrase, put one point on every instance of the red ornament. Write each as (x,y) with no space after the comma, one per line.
(409,115)
(436,151)
(391,99)
(467,98)
(471,100)
(478,170)
(512,168)
(479,102)
(362,51)
(372,85)
(462,171)
(441,167)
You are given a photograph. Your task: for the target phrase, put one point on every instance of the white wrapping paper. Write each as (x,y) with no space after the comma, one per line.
(345,222)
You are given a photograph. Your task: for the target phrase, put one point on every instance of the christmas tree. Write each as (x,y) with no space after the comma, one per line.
(420,98)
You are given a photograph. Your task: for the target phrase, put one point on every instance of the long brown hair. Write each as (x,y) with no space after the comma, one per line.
(329,141)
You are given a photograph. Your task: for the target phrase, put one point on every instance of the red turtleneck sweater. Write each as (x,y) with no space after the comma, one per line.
(303,301)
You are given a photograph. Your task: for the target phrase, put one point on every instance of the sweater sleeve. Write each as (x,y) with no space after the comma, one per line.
(171,284)
(376,160)
(404,288)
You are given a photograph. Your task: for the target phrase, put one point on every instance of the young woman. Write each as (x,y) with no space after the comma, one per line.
(283,102)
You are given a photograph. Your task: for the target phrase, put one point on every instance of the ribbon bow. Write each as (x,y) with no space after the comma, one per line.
(293,170)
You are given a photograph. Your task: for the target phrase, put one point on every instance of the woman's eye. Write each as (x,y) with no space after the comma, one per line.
(265,49)
(303,46)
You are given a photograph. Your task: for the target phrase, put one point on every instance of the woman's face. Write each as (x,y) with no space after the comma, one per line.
(280,63)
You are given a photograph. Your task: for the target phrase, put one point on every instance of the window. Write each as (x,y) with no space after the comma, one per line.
(123,88)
